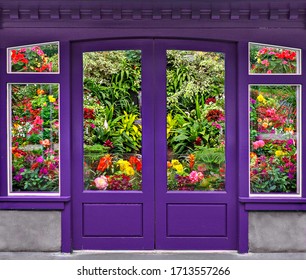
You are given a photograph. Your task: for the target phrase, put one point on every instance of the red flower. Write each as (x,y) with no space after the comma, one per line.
(210,100)
(109,144)
(136,163)
(198,141)
(89,113)
(215,115)
(105,162)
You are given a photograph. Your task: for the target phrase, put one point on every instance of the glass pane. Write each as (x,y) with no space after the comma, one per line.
(34,134)
(195,121)
(112,120)
(274,139)
(265,59)
(34,58)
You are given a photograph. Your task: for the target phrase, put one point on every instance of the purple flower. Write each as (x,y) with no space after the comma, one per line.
(253,101)
(290,176)
(21,170)
(40,159)
(290,142)
(18,178)
(281,169)
(52,166)
(43,171)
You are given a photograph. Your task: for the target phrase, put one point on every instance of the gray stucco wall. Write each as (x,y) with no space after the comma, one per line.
(277,231)
(30,231)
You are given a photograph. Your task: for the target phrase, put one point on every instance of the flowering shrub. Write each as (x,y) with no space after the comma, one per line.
(34,131)
(113,174)
(35,59)
(273,141)
(197,172)
(272,60)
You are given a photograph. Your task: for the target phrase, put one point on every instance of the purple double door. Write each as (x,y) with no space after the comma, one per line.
(154,217)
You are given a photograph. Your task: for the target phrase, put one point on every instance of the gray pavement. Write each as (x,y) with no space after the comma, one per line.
(150,255)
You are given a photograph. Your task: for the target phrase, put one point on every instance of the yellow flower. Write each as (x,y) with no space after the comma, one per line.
(177,166)
(279,153)
(129,171)
(258,60)
(260,98)
(126,167)
(51,98)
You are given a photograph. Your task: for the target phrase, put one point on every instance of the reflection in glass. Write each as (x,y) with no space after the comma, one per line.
(34,134)
(34,58)
(195,121)
(112,120)
(266,59)
(274,139)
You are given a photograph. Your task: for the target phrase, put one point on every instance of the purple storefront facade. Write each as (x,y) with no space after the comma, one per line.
(152,219)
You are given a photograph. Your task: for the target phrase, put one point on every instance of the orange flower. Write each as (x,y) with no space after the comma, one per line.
(136,163)
(45,142)
(191,160)
(34,165)
(40,91)
(169,164)
(252,155)
(105,162)
(265,125)
(18,153)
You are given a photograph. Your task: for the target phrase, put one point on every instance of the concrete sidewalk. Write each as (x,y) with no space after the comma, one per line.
(150,255)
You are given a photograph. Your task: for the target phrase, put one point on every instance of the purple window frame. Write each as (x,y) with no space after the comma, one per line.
(28,202)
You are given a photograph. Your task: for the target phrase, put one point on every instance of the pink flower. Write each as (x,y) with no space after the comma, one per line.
(261,143)
(38,121)
(92,125)
(265,62)
(258,144)
(285,62)
(269,72)
(201,176)
(101,183)
(194,177)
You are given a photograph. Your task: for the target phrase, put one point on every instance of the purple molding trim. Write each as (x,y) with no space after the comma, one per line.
(275,207)
(66,229)
(92,12)
(21,205)
(280,200)
(243,230)
(34,199)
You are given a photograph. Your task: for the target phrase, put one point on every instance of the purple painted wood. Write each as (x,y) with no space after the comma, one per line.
(196,220)
(84,223)
(113,220)
(191,22)
(243,142)
(229,197)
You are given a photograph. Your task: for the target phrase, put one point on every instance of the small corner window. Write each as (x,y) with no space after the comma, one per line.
(275,139)
(38,58)
(270,59)
(33,138)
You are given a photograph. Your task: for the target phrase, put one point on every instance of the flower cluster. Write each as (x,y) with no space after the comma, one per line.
(111,173)
(34,130)
(274,60)
(191,174)
(31,59)
(273,141)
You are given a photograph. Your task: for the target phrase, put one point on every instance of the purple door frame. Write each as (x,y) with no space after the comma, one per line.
(113,220)
(196,220)
(154,218)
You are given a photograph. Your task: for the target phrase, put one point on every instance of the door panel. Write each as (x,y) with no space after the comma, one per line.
(107,215)
(195,219)
(153,217)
